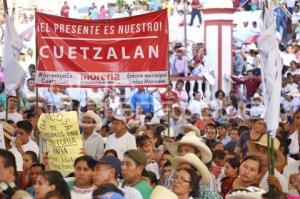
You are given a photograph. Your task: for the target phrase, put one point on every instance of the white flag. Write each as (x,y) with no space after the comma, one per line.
(271,67)
(13,72)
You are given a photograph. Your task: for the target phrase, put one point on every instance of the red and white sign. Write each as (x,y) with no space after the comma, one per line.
(130,51)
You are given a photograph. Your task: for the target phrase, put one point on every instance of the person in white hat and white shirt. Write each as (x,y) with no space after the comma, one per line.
(92,141)
(121,140)
(257,109)
(177,120)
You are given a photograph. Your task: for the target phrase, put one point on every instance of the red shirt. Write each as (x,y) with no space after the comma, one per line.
(195,4)
(251,84)
(64,12)
(168,98)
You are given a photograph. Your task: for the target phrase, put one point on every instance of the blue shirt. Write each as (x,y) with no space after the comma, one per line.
(143,99)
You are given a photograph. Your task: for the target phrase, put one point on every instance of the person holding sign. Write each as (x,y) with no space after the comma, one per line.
(8,131)
(92,141)
(23,142)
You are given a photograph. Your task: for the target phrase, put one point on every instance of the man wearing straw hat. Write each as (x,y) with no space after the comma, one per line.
(92,141)
(8,131)
(260,149)
(177,121)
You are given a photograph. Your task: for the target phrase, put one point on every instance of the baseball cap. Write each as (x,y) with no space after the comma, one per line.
(120,118)
(137,156)
(112,161)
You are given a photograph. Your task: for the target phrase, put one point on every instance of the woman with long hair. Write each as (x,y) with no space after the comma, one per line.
(51,181)
(186,184)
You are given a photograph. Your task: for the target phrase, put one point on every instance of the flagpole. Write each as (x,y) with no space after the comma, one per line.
(6,12)
(5,7)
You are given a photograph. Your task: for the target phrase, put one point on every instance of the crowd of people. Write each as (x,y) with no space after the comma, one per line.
(189,140)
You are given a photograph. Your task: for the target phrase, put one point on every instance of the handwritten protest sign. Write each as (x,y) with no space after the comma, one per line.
(61,131)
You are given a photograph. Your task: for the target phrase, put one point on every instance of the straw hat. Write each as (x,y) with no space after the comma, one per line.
(160,192)
(8,130)
(294,93)
(177,106)
(246,193)
(95,117)
(154,121)
(263,141)
(189,127)
(191,139)
(21,194)
(192,159)
(256,96)
(133,124)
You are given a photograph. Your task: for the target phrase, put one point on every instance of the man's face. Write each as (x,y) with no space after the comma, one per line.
(130,170)
(185,148)
(83,174)
(13,102)
(88,124)
(118,126)
(221,131)
(210,133)
(234,135)
(31,84)
(22,135)
(34,173)
(6,173)
(262,153)
(103,173)
(259,126)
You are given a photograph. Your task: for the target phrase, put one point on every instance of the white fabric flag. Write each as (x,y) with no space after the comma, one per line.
(13,72)
(271,67)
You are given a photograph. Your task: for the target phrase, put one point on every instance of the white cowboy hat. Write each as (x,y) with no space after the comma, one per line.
(160,192)
(177,106)
(8,130)
(120,118)
(192,159)
(95,117)
(189,127)
(294,93)
(133,124)
(256,96)
(246,193)
(154,121)
(191,139)
(263,141)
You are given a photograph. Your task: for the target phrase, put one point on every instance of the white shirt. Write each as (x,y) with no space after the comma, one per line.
(95,96)
(12,116)
(294,146)
(121,144)
(283,182)
(78,94)
(94,145)
(290,3)
(54,99)
(77,193)
(130,193)
(18,157)
(31,146)
(195,106)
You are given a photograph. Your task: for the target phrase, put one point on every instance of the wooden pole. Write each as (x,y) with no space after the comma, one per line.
(6,12)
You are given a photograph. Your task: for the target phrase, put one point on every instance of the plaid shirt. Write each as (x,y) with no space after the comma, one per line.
(205,193)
